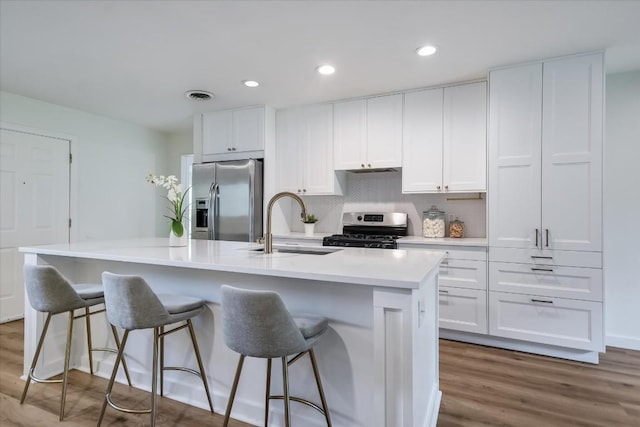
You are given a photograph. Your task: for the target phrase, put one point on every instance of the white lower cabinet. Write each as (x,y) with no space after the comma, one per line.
(555,321)
(463,309)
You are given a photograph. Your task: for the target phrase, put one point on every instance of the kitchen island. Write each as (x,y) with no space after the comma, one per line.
(379,360)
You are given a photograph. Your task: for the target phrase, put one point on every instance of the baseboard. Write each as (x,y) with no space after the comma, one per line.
(527,347)
(618,341)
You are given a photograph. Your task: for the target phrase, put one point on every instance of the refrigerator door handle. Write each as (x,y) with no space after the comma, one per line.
(213,207)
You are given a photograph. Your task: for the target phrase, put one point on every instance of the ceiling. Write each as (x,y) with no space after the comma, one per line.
(133,60)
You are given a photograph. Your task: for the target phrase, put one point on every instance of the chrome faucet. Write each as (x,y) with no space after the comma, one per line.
(268,246)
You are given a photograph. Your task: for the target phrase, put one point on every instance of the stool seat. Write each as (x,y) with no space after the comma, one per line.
(88,291)
(132,304)
(311,326)
(177,304)
(52,293)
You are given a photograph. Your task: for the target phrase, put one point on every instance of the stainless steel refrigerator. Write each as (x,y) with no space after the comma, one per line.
(227,200)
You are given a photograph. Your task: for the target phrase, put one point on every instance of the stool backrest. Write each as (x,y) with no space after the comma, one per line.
(258,324)
(131,304)
(49,291)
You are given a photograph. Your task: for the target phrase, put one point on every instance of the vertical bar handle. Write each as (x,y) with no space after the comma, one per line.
(213,206)
(547,235)
(536,237)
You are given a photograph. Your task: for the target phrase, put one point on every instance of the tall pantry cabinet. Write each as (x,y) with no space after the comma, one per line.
(545,202)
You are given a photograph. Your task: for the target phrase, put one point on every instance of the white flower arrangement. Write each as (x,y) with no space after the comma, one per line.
(175,196)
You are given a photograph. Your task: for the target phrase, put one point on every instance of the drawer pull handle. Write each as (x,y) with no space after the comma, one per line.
(541,257)
(542,269)
(542,301)
(442,291)
(444,263)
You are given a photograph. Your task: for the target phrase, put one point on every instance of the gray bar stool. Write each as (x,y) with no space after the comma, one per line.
(131,305)
(50,292)
(258,324)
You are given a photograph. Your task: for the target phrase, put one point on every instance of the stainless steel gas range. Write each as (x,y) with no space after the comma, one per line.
(370,230)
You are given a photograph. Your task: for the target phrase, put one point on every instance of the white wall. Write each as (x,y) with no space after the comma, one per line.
(622,210)
(110,197)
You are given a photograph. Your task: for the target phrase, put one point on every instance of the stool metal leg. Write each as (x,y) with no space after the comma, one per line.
(161,360)
(67,356)
(234,388)
(124,362)
(267,394)
(314,364)
(196,349)
(285,386)
(89,343)
(107,394)
(35,358)
(154,377)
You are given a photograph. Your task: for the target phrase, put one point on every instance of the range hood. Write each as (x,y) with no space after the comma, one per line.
(372,170)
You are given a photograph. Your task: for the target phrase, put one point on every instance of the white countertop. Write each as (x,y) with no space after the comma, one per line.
(376,267)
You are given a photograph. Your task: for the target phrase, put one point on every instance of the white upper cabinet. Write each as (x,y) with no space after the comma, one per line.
(465,138)
(368,133)
(545,154)
(445,140)
(304,147)
(384,132)
(422,141)
(229,134)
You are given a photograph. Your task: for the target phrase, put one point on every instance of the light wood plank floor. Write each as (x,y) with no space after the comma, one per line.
(482,386)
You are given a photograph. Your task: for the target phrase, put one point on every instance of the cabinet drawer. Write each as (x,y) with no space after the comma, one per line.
(477,253)
(463,309)
(563,282)
(553,321)
(463,274)
(547,257)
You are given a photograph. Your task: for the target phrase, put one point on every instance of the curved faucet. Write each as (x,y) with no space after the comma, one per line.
(267,236)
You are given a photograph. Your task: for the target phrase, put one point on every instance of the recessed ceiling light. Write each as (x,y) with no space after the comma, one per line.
(250,83)
(199,95)
(426,50)
(326,69)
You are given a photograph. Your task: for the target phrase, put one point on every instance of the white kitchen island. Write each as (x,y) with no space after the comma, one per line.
(378,362)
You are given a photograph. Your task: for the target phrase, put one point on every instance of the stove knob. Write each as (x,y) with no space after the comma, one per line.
(359,217)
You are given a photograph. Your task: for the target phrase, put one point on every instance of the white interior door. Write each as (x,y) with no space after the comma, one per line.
(34,200)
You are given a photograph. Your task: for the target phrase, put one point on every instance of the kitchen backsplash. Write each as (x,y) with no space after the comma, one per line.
(382,191)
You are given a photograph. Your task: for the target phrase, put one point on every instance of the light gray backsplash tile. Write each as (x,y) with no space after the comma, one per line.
(382,191)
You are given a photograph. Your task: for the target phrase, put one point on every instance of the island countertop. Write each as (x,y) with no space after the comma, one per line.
(398,268)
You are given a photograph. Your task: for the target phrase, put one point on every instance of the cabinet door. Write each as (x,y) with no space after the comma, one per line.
(572,153)
(465,138)
(288,146)
(515,103)
(463,309)
(317,165)
(554,321)
(422,142)
(350,134)
(216,132)
(248,129)
(384,131)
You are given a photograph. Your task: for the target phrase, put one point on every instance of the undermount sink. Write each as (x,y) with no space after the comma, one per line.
(303,251)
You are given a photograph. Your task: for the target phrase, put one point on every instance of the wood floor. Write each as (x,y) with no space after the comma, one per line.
(481,386)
